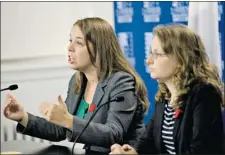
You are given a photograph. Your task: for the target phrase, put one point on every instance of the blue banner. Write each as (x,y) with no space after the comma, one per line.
(134,22)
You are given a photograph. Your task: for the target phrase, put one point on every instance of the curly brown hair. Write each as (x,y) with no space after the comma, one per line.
(193,63)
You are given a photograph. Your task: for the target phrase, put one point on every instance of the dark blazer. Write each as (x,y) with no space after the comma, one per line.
(198,130)
(112,123)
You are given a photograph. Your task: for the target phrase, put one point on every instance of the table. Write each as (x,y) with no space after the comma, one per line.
(31,147)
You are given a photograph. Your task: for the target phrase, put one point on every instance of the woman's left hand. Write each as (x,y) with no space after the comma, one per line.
(125,149)
(57,113)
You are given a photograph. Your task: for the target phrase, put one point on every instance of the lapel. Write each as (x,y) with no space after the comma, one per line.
(161,107)
(75,103)
(99,93)
(176,126)
(77,97)
(179,119)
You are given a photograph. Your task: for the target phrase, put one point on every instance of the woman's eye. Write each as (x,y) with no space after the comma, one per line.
(79,43)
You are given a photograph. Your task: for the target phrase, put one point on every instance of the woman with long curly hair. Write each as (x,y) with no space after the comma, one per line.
(188,118)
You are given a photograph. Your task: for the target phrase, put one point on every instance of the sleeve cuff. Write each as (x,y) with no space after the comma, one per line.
(21,128)
(72,133)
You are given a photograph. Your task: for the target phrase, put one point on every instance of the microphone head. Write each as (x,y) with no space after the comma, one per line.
(13,87)
(120,99)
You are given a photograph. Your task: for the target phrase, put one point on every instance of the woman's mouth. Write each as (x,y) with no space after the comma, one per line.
(70,60)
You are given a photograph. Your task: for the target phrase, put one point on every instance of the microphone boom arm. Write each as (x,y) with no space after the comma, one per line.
(118,99)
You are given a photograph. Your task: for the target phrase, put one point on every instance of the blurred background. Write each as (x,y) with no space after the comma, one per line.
(34,36)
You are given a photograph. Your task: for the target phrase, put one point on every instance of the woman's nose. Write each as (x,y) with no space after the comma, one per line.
(70,47)
(149,60)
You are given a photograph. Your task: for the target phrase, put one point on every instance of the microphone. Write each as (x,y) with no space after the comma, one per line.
(12,87)
(117,99)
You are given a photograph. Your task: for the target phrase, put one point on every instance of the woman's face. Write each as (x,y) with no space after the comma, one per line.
(161,66)
(78,56)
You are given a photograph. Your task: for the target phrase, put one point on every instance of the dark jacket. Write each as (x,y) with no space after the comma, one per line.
(112,124)
(197,130)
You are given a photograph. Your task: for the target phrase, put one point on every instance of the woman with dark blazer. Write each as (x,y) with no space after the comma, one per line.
(102,75)
(188,118)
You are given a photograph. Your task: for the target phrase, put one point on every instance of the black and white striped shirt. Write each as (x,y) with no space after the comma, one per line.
(167,129)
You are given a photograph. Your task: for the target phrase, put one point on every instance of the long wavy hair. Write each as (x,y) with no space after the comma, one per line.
(193,63)
(104,43)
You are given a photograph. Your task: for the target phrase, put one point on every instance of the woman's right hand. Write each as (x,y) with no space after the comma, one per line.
(13,109)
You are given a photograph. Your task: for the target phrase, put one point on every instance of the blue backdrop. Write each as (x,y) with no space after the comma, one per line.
(134,22)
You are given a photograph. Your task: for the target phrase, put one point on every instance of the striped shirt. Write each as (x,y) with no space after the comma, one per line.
(167,129)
